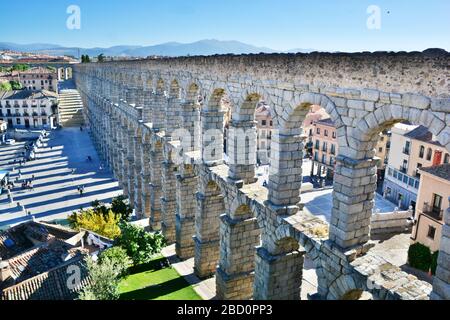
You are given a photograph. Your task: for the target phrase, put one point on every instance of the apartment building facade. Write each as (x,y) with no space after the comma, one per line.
(412,148)
(432,202)
(264,128)
(26,109)
(39,78)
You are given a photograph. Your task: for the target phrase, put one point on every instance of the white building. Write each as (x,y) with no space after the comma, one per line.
(29,109)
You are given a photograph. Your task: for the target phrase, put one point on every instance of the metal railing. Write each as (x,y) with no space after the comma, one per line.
(432,211)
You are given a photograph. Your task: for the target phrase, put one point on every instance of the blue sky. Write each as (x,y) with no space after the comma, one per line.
(337,25)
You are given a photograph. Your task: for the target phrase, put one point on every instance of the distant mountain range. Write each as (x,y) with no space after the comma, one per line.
(173,49)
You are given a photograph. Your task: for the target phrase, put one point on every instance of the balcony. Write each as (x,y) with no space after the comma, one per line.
(432,211)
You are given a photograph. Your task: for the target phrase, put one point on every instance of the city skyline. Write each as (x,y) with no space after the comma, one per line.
(287,25)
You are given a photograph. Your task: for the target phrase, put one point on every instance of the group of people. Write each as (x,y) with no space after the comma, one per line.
(28,184)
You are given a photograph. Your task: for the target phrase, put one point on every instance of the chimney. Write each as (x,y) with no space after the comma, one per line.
(5,271)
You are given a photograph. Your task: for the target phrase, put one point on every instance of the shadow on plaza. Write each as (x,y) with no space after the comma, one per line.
(26,195)
(69,198)
(47,213)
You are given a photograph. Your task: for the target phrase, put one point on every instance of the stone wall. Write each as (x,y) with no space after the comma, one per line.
(220,213)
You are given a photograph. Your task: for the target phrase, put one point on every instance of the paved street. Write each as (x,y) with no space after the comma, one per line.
(55,193)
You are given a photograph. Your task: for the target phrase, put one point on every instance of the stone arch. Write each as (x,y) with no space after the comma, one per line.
(297,109)
(175,89)
(160,86)
(285,174)
(344,286)
(193,92)
(386,116)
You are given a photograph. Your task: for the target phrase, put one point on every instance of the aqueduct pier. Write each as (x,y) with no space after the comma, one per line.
(254,239)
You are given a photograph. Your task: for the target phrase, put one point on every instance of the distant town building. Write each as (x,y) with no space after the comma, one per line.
(39,78)
(412,147)
(323,148)
(264,128)
(3,130)
(29,109)
(432,201)
(324,145)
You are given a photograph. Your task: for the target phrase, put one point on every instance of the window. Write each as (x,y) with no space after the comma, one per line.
(429,154)
(405,179)
(324,159)
(318,130)
(421,152)
(324,147)
(406,148)
(437,202)
(333,149)
(380,150)
(390,172)
(18,121)
(271,123)
(263,122)
(334,134)
(447,158)
(431,232)
(325,133)
(317,144)
(44,122)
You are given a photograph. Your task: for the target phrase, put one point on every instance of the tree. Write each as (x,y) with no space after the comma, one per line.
(5,86)
(118,257)
(101,57)
(104,280)
(105,225)
(20,67)
(140,245)
(15,85)
(85,58)
(120,206)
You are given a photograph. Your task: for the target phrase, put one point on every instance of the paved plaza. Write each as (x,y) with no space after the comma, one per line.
(55,193)
(320,203)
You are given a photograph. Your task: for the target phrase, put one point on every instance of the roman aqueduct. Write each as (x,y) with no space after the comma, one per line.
(254,238)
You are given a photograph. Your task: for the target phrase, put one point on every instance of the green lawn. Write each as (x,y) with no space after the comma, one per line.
(150,282)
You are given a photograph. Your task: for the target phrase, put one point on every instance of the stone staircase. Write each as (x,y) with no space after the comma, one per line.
(70,108)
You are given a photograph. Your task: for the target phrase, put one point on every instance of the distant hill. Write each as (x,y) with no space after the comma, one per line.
(173,49)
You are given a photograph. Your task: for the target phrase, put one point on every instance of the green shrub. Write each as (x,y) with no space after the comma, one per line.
(434,259)
(139,244)
(104,280)
(419,257)
(118,257)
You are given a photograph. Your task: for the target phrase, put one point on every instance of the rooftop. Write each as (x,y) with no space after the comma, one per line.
(441,171)
(27,94)
(421,133)
(326,122)
(38,255)
(38,70)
